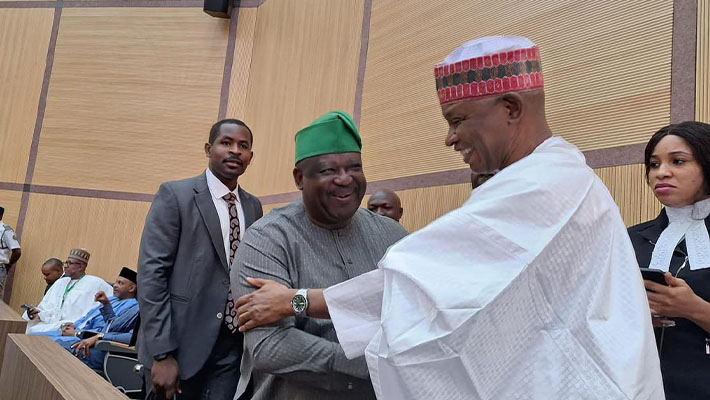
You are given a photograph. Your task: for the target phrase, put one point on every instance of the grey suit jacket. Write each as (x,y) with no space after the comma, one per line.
(183,273)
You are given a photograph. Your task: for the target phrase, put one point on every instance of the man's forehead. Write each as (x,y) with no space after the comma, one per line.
(385,197)
(379,199)
(463,106)
(232,131)
(336,158)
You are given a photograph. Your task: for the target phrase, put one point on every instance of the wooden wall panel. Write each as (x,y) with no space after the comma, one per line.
(304,63)
(238,84)
(24,39)
(10,200)
(109,229)
(606,66)
(424,205)
(268,207)
(627,185)
(133,94)
(702,70)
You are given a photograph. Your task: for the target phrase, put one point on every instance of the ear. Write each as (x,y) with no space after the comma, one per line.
(513,102)
(208,147)
(298,178)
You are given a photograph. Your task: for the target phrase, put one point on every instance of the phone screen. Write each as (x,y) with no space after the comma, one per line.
(654,275)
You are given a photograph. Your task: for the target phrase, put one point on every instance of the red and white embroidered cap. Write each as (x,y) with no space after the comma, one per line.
(489,66)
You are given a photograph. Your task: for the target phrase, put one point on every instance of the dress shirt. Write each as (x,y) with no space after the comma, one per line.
(218,190)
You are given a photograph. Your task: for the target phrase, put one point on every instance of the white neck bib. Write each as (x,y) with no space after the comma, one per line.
(685,222)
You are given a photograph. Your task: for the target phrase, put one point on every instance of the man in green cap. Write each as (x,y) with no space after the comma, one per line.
(320,240)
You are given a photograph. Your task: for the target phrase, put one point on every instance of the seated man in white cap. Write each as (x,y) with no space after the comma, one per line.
(530,290)
(69,297)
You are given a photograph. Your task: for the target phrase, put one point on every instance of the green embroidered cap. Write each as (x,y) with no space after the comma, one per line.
(333,132)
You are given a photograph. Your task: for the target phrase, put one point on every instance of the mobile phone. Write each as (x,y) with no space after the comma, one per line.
(26,307)
(87,334)
(654,275)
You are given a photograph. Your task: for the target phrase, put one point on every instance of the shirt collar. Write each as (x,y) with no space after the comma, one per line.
(217,188)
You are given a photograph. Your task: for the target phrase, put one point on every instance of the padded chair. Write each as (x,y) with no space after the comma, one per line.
(121,367)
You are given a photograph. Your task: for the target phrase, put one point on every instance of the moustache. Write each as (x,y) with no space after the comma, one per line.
(233,159)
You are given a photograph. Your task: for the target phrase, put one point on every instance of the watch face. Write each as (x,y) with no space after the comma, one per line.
(298,303)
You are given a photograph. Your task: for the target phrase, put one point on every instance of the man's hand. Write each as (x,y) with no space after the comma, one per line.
(165,377)
(82,348)
(68,329)
(33,313)
(677,300)
(101,298)
(270,303)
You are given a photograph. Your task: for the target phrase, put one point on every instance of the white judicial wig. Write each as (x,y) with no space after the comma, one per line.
(530,290)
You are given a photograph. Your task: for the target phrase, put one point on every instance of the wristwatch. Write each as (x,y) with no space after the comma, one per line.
(161,357)
(299,302)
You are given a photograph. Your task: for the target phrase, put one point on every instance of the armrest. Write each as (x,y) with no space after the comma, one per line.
(114,347)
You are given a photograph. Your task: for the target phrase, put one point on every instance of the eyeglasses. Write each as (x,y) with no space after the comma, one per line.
(70,262)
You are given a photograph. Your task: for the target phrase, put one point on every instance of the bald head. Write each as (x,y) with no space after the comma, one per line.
(386,203)
(52,270)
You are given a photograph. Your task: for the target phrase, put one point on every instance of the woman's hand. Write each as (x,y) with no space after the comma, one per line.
(677,300)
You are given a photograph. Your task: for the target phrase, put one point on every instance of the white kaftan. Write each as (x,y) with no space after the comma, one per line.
(77,302)
(530,290)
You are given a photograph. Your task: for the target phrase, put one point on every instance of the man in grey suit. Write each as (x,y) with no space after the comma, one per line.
(318,241)
(188,340)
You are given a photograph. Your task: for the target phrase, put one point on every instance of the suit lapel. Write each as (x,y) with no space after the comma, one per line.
(248,210)
(205,205)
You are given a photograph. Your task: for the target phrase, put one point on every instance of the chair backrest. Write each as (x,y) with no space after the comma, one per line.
(119,371)
(134,336)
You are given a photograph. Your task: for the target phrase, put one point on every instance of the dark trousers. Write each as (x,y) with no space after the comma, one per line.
(218,378)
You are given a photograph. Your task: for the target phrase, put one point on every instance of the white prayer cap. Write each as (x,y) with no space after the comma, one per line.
(489,66)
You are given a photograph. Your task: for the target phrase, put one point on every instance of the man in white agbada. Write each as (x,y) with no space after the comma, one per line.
(530,290)
(69,298)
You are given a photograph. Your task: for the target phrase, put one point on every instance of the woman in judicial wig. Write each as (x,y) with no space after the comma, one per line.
(677,160)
